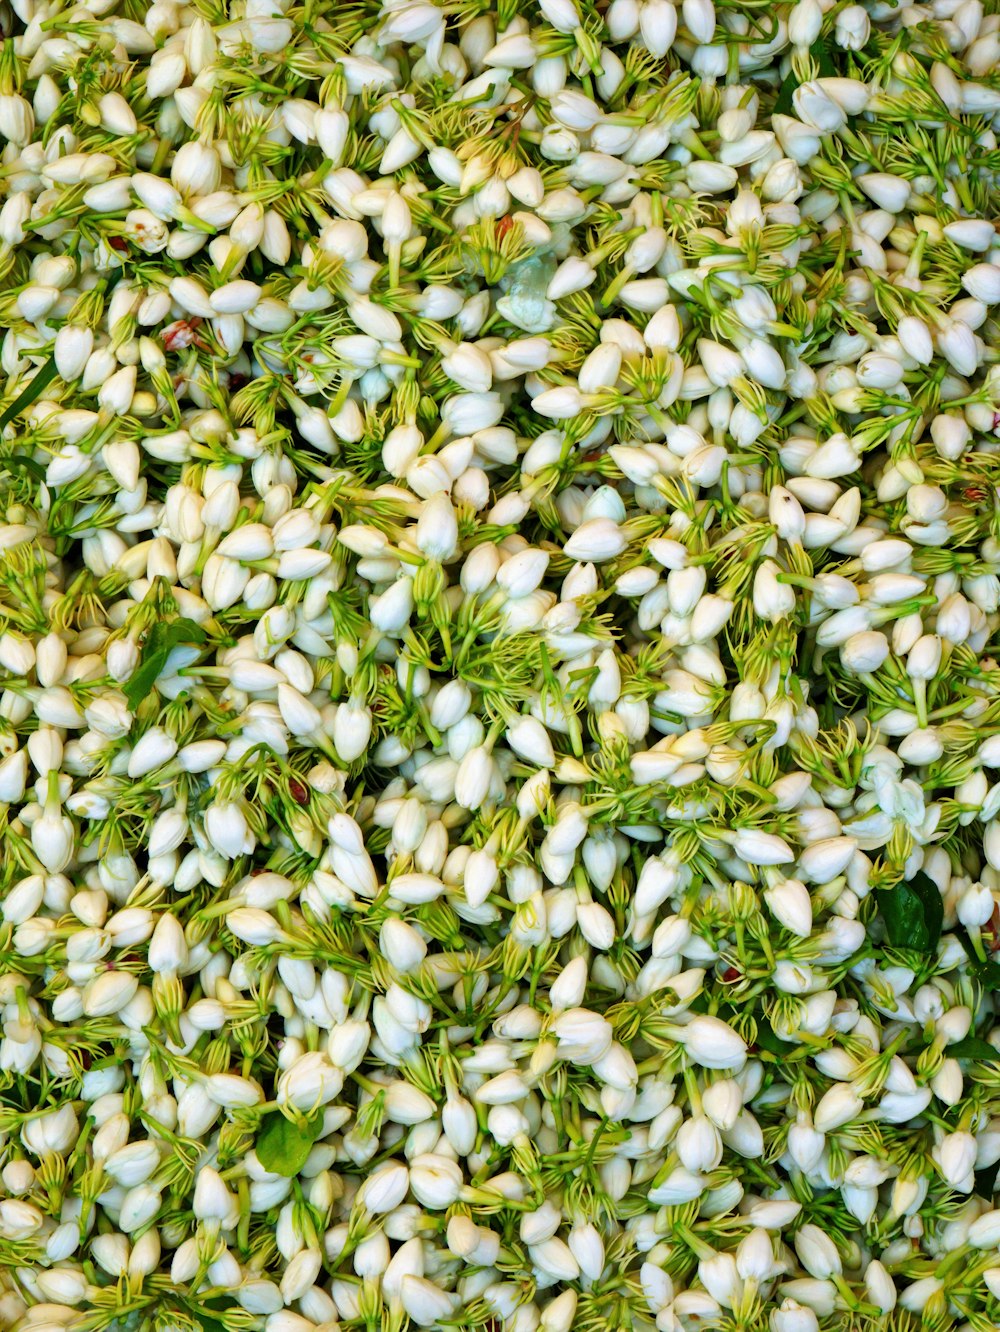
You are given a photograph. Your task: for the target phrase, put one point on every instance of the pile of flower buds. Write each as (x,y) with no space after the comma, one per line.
(499,729)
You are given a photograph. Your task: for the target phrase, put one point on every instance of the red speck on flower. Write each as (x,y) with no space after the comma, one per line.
(991,931)
(731,975)
(119,243)
(975,494)
(996,421)
(298,791)
(180,334)
(504,225)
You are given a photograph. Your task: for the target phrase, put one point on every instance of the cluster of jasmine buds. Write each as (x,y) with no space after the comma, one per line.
(499,686)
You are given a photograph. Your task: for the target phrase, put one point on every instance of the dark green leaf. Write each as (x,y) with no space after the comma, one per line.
(986,973)
(986,1181)
(783,103)
(933,903)
(39,383)
(282,1147)
(767,1040)
(28,464)
(159,643)
(973,1047)
(913,913)
(827,69)
(199,1312)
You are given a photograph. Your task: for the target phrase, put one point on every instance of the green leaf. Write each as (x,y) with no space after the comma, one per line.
(973,1047)
(39,383)
(783,103)
(986,1181)
(17,460)
(986,973)
(157,647)
(827,70)
(772,1043)
(913,913)
(282,1146)
(205,1322)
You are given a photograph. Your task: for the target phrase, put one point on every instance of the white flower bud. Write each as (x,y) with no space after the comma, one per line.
(710,1043)
(793,1317)
(385,1189)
